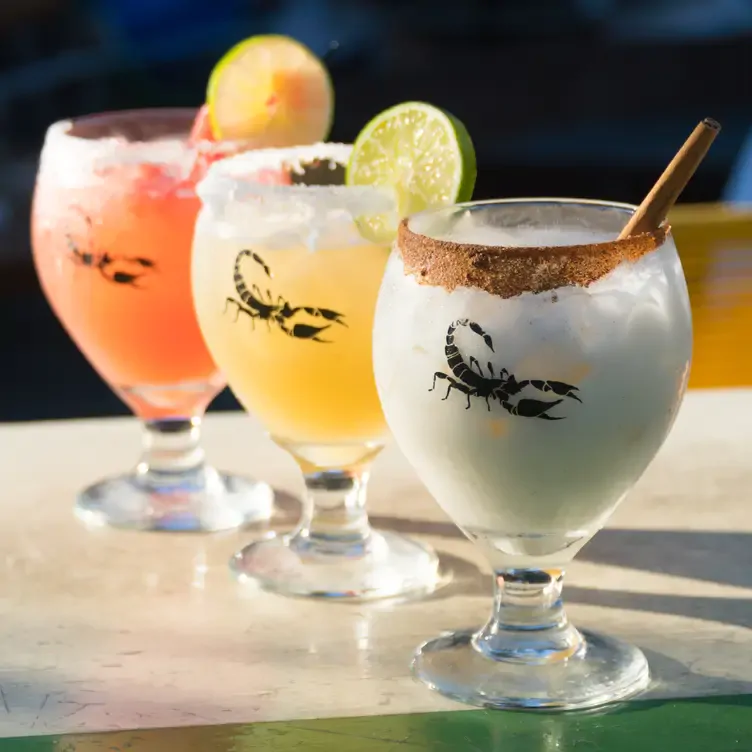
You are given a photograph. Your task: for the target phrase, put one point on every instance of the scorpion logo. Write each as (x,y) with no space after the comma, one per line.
(260,305)
(500,387)
(136,266)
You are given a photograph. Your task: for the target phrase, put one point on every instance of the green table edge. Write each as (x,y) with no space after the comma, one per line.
(706,724)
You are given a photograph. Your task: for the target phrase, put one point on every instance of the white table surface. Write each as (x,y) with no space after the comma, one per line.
(120,630)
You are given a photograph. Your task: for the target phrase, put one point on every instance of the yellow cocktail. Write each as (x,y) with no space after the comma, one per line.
(285,288)
(293,334)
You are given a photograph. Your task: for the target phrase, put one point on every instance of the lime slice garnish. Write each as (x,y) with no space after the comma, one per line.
(270,90)
(424,154)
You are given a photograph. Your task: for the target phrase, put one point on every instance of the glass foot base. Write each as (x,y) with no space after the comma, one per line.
(213,503)
(391,566)
(603,670)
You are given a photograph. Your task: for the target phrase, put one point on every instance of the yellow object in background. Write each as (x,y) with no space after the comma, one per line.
(715,245)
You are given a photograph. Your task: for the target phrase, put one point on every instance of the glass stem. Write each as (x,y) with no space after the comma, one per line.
(334,517)
(528,624)
(171,450)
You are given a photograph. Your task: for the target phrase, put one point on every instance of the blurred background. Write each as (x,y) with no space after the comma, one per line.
(587,98)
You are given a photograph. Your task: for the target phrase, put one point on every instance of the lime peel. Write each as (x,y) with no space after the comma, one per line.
(423,153)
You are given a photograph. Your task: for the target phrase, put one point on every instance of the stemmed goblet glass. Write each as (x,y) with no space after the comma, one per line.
(542,367)
(285,288)
(112,224)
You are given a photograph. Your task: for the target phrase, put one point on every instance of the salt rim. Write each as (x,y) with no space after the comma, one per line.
(234,177)
(73,158)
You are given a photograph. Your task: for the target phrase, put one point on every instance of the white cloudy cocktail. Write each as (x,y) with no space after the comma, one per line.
(542,368)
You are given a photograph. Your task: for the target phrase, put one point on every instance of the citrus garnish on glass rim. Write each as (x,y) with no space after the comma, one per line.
(422,153)
(272,90)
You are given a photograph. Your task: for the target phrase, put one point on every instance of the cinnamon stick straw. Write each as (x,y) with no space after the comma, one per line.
(657,204)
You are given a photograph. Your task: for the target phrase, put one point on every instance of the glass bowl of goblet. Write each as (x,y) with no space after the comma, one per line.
(285,289)
(112,224)
(530,365)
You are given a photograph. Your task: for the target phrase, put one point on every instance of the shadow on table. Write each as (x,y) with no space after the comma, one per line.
(713,556)
(416,527)
(287,510)
(722,557)
(671,678)
(736,611)
(469,580)
(463,579)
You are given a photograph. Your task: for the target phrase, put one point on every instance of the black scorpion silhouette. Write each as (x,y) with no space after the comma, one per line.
(103,262)
(474,384)
(256,307)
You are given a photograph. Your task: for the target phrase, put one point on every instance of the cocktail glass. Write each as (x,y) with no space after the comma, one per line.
(285,288)
(530,366)
(112,224)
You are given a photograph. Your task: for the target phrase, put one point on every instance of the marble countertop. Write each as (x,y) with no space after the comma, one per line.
(109,629)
